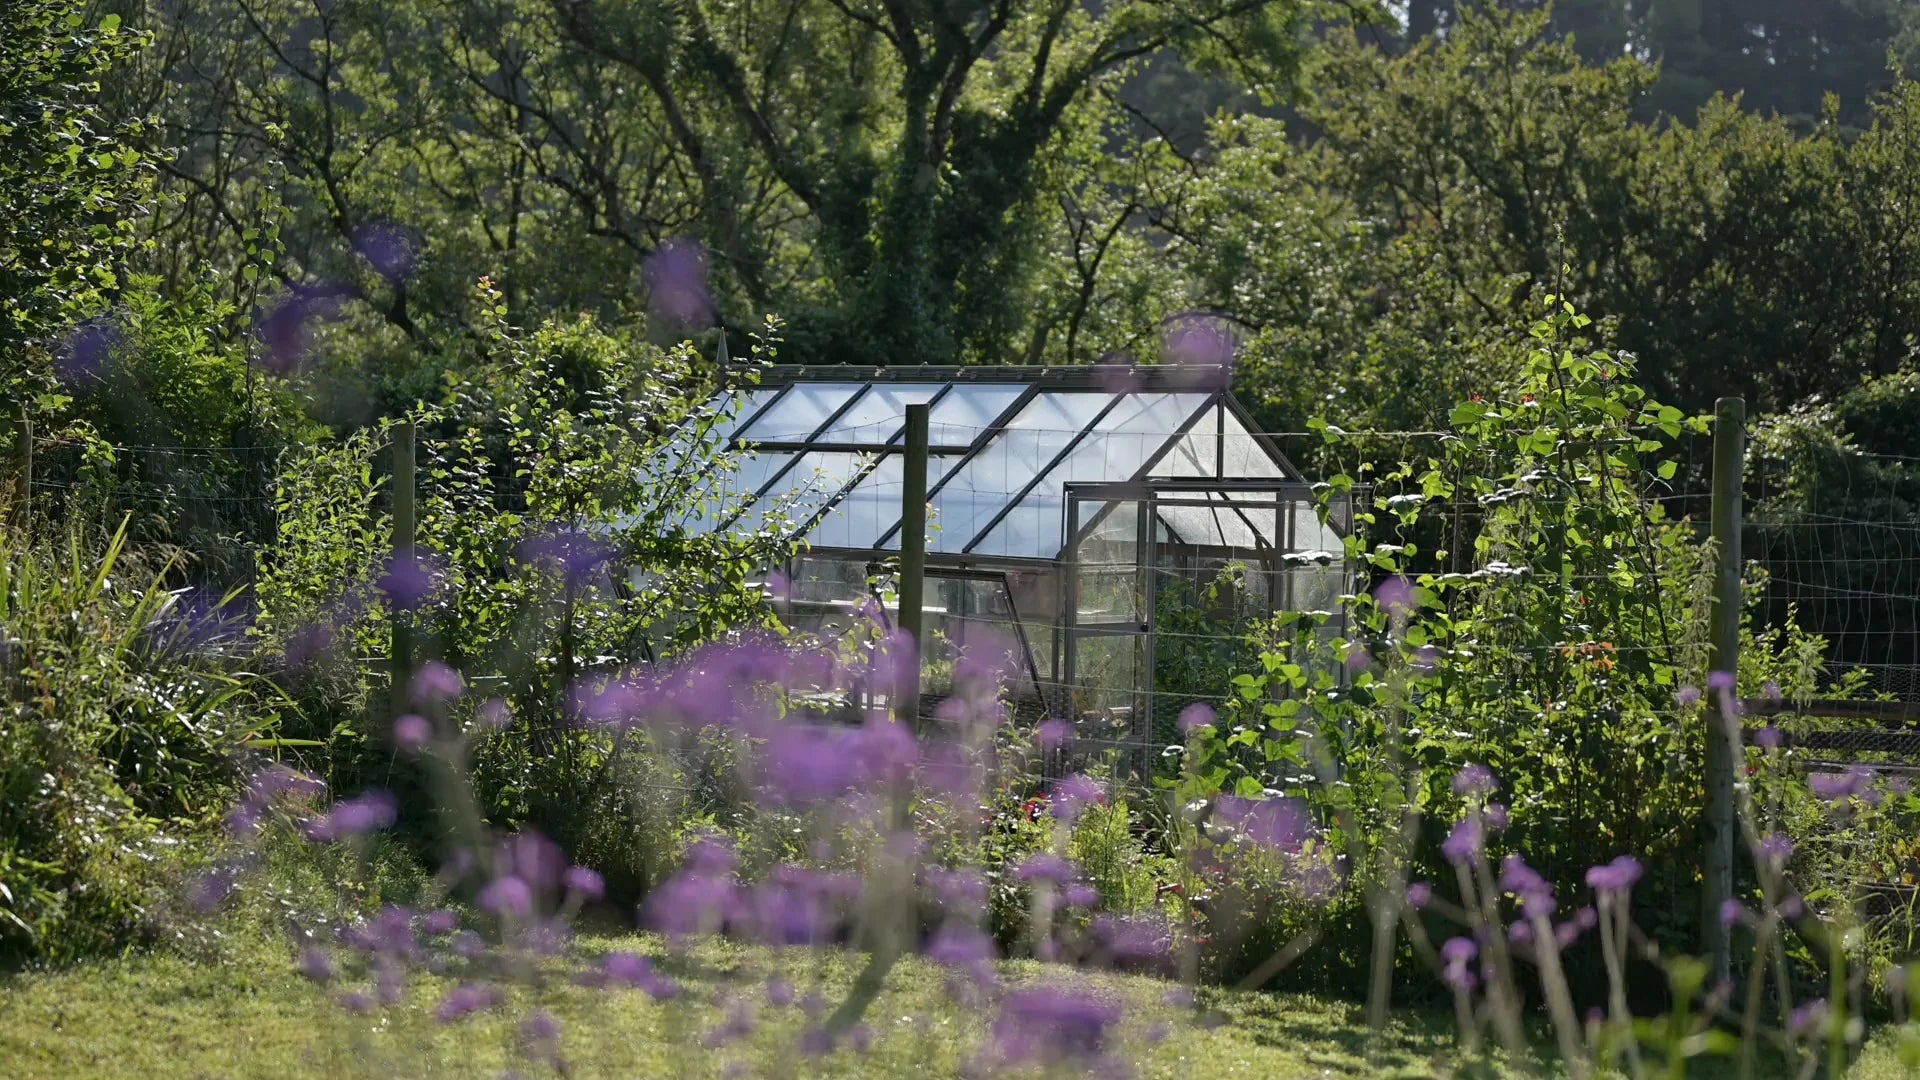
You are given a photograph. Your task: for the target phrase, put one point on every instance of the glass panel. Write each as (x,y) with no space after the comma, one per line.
(1106,684)
(879,414)
(1114,450)
(805,407)
(971,618)
(816,478)
(1207,526)
(729,490)
(1245,457)
(968,409)
(1194,454)
(1030,441)
(1036,599)
(754,401)
(873,506)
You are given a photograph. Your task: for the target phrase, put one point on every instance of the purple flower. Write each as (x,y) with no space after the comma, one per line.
(575,554)
(1732,911)
(1274,824)
(507,896)
(83,356)
(315,964)
(370,811)
(1146,937)
(1053,734)
(1072,794)
(1458,952)
(965,889)
(436,683)
(1045,1026)
(1771,691)
(540,1026)
(388,247)
(1198,716)
(356,1002)
(466,944)
(1721,681)
(1465,842)
(1080,895)
(411,732)
(1809,1017)
(1474,780)
(1419,895)
(283,329)
(464,1001)
(676,275)
(1776,848)
(1044,866)
(1395,596)
(1687,697)
(585,882)
(496,713)
(779,992)
(533,859)
(1497,817)
(1769,738)
(407,583)
(965,946)
(1616,877)
(1837,787)
(1521,880)
(440,922)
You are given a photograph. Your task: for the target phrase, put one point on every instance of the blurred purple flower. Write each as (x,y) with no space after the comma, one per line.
(83,356)
(356,1002)
(412,731)
(1419,895)
(1776,848)
(1080,895)
(390,248)
(464,1001)
(1465,842)
(1720,680)
(676,275)
(1394,596)
(1497,817)
(316,964)
(779,992)
(1475,780)
(436,684)
(370,811)
(585,883)
(1808,1017)
(1072,794)
(466,944)
(1201,344)
(1274,824)
(1044,866)
(1053,734)
(1769,738)
(440,922)
(533,859)
(407,583)
(284,329)
(1616,877)
(1771,691)
(1141,938)
(1196,717)
(957,889)
(1687,697)
(1732,911)
(1047,1027)
(575,554)
(1837,787)
(965,946)
(540,1026)
(1458,952)
(496,713)
(507,896)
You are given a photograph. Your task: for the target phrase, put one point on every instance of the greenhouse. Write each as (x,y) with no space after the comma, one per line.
(1112,525)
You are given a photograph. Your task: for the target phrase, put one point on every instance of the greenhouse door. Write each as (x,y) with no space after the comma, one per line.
(1108,617)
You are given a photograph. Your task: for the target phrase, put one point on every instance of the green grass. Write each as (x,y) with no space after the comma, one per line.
(248,1015)
(245,1014)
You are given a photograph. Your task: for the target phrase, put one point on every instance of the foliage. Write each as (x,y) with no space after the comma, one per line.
(121,726)
(72,177)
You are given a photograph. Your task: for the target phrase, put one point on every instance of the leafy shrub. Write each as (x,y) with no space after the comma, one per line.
(119,735)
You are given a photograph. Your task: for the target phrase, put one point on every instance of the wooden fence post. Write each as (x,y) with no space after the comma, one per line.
(1729,462)
(913,551)
(400,663)
(22,467)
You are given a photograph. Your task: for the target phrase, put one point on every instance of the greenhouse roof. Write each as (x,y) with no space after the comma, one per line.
(823,448)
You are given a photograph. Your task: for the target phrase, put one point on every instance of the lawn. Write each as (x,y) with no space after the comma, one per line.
(245,1013)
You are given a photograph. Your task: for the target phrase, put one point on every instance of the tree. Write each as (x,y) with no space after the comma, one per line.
(885,173)
(71,178)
